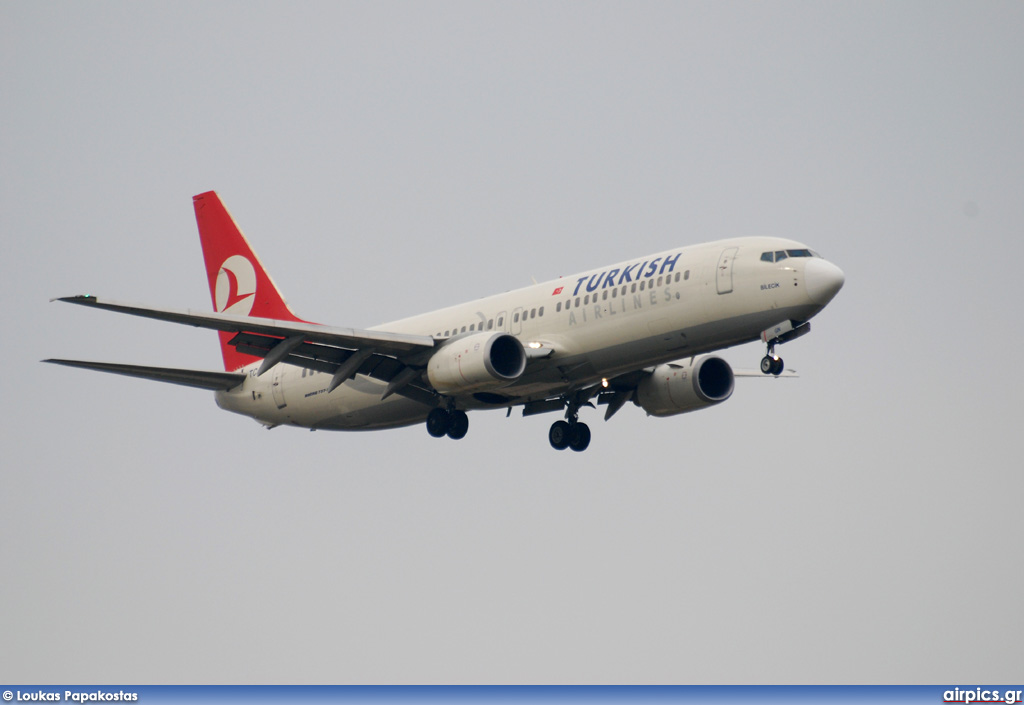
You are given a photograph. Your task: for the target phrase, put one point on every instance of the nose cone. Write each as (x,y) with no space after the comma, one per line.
(823,280)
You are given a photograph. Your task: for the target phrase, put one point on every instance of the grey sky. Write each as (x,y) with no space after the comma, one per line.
(859,524)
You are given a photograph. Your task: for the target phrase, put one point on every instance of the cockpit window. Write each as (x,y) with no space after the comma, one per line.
(780,255)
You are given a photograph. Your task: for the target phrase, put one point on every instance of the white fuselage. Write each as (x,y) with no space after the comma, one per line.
(598,324)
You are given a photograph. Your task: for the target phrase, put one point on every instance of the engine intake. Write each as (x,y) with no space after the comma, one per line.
(686,385)
(476,362)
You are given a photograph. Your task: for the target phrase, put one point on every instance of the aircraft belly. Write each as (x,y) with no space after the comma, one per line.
(576,370)
(393,412)
(356,405)
(307,403)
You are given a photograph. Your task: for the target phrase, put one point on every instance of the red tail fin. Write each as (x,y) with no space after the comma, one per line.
(238,282)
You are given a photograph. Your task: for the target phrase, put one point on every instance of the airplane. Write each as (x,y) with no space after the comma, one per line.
(640,331)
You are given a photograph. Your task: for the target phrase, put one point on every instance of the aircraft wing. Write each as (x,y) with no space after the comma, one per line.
(189,378)
(761,375)
(399,344)
(395,358)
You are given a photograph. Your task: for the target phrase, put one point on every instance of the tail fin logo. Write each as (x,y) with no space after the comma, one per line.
(236,286)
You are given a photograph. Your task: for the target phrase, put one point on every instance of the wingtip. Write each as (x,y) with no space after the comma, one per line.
(77,299)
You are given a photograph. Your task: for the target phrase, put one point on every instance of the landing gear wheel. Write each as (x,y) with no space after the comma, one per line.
(559,435)
(459,425)
(438,422)
(580,437)
(771,365)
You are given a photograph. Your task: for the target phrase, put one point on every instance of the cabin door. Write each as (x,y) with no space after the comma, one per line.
(724,270)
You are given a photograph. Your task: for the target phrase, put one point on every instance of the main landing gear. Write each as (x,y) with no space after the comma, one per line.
(566,434)
(571,433)
(443,422)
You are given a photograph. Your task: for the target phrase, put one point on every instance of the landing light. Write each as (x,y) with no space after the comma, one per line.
(533,345)
(604,383)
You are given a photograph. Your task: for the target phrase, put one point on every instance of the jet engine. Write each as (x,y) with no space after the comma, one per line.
(685,385)
(477,361)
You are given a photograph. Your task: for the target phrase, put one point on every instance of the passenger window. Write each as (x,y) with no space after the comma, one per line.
(577,302)
(633,289)
(501,321)
(623,289)
(604,296)
(533,313)
(490,324)
(586,299)
(615,292)
(677,277)
(446,334)
(515,317)
(558,307)
(686,275)
(767,256)
(659,281)
(463,329)
(540,311)
(303,371)
(472,327)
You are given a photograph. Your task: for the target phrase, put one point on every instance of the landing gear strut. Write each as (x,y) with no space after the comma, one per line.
(443,422)
(771,364)
(571,433)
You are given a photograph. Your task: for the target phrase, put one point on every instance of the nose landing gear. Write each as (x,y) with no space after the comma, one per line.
(771,364)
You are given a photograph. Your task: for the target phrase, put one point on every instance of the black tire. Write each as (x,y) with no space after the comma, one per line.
(459,425)
(438,422)
(767,364)
(778,367)
(559,435)
(580,437)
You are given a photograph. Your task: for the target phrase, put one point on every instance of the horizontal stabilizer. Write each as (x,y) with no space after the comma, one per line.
(188,378)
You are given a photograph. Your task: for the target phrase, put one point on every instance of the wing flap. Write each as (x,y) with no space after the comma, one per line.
(200,379)
(327,359)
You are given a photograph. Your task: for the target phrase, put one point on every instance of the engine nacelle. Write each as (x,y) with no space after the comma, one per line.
(686,385)
(478,361)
